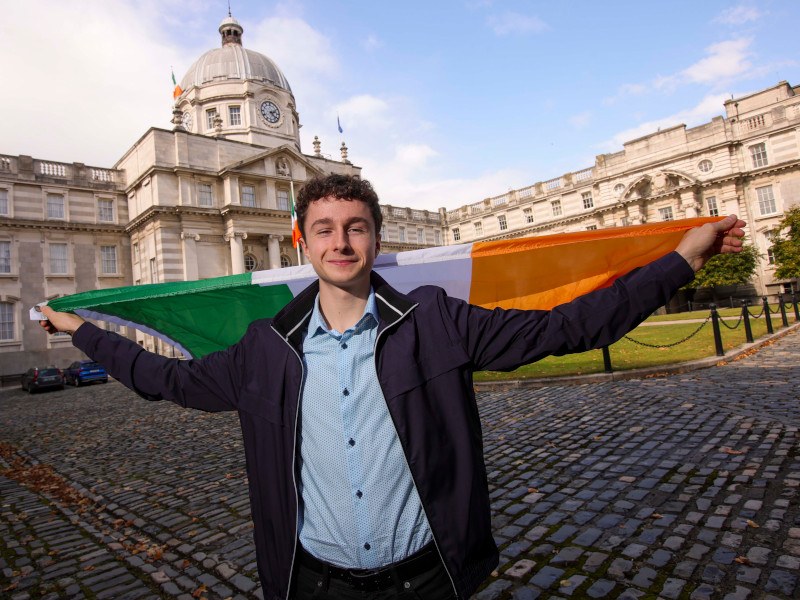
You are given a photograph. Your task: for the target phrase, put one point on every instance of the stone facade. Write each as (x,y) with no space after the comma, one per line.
(62,231)
(747,163)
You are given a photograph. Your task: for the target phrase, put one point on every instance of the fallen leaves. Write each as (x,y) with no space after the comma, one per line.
(752,524)
(41,478)
(731,451)
(742,560)
(200,591)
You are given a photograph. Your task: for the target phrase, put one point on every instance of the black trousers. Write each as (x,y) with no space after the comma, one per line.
(433,584)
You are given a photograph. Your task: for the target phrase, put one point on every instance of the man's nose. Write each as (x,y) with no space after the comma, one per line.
(342,240)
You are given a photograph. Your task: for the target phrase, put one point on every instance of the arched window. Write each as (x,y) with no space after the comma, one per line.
(285,262)
(249,262)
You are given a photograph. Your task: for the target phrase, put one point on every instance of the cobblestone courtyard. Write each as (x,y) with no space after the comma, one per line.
(683,486)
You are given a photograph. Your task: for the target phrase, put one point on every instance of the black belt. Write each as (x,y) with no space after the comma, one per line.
(375,580)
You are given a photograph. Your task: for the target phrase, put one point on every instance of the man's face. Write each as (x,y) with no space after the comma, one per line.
(341,243)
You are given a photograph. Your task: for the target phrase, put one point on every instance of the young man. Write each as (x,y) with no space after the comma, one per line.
(361,431)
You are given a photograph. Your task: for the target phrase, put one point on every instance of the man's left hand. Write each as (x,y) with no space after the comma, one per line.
(701,243)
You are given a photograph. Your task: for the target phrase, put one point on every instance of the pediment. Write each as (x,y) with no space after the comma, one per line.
(283,161)
(660,182)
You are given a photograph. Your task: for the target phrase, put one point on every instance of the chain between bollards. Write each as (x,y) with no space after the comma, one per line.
(748,331)
(717,334)
(794,305)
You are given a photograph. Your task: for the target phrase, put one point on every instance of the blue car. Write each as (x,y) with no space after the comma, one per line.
(85,371)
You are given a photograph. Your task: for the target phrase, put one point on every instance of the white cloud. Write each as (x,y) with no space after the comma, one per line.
(364,112)
(515,23)
(414,155)
(738,15)
(703,111)
(726,61)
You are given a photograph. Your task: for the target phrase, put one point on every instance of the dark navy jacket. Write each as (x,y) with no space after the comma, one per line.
(427,348)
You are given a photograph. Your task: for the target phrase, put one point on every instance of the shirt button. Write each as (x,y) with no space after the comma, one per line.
(367,546)
(346,392)
(351,441)
(344,346)
(359,494)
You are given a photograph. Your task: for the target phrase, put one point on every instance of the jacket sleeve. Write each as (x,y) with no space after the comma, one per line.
(501,340)
(211,383)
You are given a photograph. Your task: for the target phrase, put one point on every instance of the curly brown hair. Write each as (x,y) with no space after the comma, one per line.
(341,187)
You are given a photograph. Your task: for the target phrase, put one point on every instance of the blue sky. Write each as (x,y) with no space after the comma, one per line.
(442,103)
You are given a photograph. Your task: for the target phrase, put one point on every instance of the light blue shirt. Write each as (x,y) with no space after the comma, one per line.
(359,507)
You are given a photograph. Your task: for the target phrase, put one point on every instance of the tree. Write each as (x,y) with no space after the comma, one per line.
(726,269)
(786,247)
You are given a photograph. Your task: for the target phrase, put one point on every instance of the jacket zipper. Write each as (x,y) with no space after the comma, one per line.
(397,433)
(294,458)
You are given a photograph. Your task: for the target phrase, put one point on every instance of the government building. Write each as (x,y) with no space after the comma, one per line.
(211,196)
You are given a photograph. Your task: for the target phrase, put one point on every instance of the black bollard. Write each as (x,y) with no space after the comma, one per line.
(784,320)
(748,331)
(767,314)
(607,360)
(717,335)
(794,305)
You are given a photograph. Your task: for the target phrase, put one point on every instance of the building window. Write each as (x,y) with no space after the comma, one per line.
(383,233)
(437,238)
(591,227)
(211,116)
(105,210)
(283,200)
(456,234)
(771,255)
(618,189)
(665,213)
(705,166)
(402,231)
(249,262)
(759,155)
(5,257)
(502,222)
(766,200)
(478,229)
(528,213)
(556,206)
(205,194)
(588,201)
(108,260)
(135,249)
(6,321)
(249,195)
(3,202)
(285,262)
(55,206)
(58,259)
(713,209)
(234,115)
(421,235)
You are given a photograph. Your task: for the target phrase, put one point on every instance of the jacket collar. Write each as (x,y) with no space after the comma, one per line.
(291,321)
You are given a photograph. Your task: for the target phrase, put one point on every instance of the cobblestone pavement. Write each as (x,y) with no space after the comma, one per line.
(683,486)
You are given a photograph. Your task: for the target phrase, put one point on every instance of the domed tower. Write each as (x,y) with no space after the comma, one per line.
(239,94)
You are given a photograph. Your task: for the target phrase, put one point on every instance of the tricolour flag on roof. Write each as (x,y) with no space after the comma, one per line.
(177,91)
(540,272)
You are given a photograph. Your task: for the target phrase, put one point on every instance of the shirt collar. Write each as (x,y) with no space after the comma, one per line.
(317,325)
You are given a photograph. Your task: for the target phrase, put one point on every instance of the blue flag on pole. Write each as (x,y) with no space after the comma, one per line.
(339,125)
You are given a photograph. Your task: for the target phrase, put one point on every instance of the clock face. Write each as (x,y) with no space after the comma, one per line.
(269,112)
(187,121)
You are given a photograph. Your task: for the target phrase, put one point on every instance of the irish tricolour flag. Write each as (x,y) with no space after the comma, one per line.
(541,272)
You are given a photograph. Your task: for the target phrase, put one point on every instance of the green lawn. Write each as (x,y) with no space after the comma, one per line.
(626,354)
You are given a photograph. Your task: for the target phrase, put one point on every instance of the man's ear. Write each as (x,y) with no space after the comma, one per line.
(302,243)
(377,244)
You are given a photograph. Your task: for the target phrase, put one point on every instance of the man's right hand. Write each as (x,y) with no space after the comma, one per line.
(59,321)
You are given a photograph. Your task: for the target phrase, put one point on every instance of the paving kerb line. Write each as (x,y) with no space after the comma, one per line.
(538,531)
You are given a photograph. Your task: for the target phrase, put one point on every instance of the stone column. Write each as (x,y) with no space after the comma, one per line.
(237,250)
(274,251)
(190,272)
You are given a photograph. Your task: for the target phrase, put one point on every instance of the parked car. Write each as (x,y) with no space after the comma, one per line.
(85,371)
(41,378)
